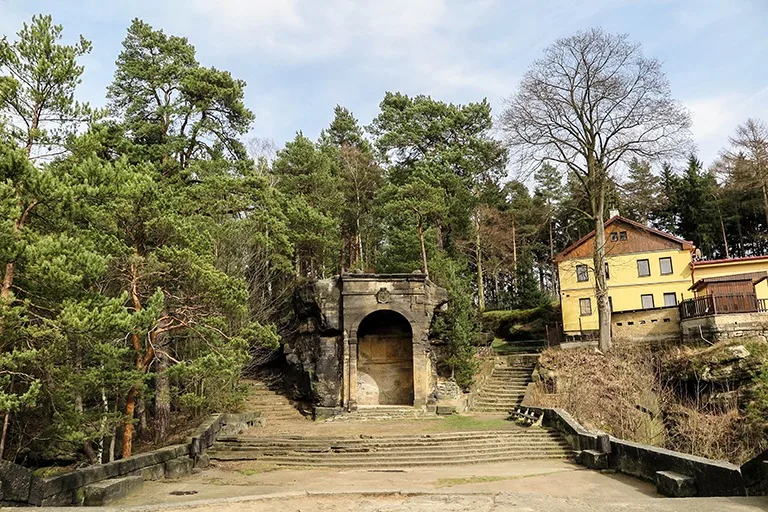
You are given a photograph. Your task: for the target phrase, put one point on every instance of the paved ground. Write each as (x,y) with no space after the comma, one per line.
(525,485)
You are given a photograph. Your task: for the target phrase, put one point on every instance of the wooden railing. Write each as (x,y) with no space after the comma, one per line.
(721,304)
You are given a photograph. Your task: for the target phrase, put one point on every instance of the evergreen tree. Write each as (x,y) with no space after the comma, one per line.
(641,192)
(359,179)
(38,78)
(306,179)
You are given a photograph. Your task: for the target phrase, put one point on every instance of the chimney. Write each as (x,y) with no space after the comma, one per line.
(613,213)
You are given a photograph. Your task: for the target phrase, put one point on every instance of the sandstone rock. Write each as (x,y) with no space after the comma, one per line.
(15,482)
(178,468)
(107,491)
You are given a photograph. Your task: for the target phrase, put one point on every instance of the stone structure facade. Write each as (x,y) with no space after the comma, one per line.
(646,325)
(363,339)
(718,327)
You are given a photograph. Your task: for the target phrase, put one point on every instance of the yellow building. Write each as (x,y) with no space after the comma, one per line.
(753,269)
(646,268)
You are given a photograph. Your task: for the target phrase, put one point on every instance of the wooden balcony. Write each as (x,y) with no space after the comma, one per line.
(721,305)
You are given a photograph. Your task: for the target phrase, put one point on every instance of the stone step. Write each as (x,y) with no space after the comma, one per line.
(504,388)
(413,452)
(319,445)
(513,432)
(402,461)
(506,397)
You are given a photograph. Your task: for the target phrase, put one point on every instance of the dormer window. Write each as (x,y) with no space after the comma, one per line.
(614,236)
(622,235)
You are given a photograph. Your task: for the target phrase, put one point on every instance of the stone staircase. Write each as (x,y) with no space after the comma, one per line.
(384,412)
(455,448)
(505,388)
(266,397)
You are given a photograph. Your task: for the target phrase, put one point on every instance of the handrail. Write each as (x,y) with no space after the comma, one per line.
(721,304)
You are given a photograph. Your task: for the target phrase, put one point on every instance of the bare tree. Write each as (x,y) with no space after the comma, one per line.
(592,103)
(745,164)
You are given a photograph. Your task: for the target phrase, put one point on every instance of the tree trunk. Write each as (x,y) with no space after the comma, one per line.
(725,239)
(601,289)
(479,263)
(514,256)
(423,250)
(765,202)
(130,406)
(4,435)
(162,423)
(552,266)
(5,292)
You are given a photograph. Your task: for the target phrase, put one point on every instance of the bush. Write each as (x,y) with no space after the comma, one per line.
(519,324)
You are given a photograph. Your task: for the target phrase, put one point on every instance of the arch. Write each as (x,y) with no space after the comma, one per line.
(385,359)
(353,320)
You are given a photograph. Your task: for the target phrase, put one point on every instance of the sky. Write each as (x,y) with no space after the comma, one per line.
(300,58)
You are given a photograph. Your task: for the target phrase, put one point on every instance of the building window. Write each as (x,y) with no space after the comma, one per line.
(610,303)
(622,235)
(585,306)
(582,273)
(607,271)
(643,268)
(670,299)
(666,266)
(647,301)
(614,236)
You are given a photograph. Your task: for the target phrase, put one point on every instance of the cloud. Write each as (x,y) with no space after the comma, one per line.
(715,118)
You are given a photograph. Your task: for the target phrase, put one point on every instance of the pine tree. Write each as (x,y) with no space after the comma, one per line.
(38,78)
(305,177)
(641,191)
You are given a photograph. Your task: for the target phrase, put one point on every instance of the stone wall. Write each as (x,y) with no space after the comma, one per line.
(731,325)
(19,486)
(646,326)
(711,477)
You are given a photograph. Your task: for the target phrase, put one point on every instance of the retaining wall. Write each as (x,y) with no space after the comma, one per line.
(724,326)
(19,486)
(646,325)
(712,477)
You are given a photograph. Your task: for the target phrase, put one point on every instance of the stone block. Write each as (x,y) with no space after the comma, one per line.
(675,485)
(594,459)
(324,413)
(202,461)
(578,457)
(178,468)
(107,491)
(155,472)
(15,482)
(445,410)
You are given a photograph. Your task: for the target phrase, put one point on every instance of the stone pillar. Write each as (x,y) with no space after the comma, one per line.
(420,370)
(353,372)
(345,371)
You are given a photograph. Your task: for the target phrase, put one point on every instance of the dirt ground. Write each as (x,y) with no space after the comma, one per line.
(524,485)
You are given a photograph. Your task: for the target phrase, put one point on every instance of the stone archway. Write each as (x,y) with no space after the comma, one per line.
(385,359)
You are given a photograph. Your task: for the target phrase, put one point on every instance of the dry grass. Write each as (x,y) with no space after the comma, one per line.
(614,393)
(624,394)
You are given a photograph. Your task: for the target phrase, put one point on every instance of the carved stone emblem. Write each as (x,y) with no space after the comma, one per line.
(382,296)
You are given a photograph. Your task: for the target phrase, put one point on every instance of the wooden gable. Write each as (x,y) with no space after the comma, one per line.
(639,239)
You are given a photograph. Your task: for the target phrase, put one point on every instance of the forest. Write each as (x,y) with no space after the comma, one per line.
(149,248)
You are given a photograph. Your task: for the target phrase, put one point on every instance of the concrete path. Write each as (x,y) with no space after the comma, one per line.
(525,485)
